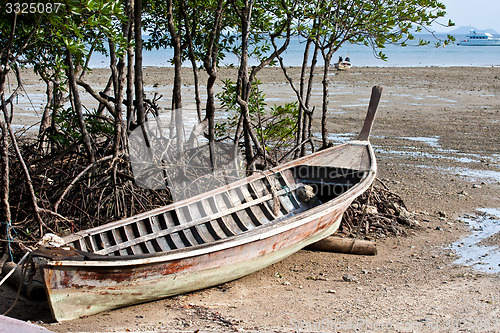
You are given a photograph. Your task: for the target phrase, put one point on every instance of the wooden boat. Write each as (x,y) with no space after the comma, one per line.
(209,239)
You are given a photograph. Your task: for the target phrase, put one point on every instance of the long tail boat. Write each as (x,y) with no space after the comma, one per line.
(206,240)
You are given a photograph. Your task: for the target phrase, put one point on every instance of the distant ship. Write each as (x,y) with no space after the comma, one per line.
(480,39)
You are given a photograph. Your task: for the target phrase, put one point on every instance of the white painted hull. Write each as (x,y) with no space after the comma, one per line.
(495,42)
(142,284)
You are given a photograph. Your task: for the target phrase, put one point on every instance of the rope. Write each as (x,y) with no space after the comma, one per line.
(274,192)
(24,270)
(9,238)
(284,187)
(13,269)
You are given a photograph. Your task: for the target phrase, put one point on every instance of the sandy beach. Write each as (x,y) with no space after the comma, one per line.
(437,141)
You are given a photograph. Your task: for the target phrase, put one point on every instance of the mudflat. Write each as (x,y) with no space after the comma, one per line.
(437,141)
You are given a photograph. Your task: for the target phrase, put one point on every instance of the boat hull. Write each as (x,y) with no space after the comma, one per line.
(343,66)
(479,43)
(168,251)
(79,291)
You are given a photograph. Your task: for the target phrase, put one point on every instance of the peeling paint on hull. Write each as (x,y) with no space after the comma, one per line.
(85,291)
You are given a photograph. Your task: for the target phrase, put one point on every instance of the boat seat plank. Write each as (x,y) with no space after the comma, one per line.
(266,211)
(223,213)
(270,188)
(259,188)
(254,212)
(91,243)
(237,198)
(118,239)
(105,240)
(197,213)
(221,221)
(285,204)
(288,179)
(174,237)
(131,242)
(155,224)
(224,204)
(80,244)
(269,205)
(190,233)
(218,233)
(143,231)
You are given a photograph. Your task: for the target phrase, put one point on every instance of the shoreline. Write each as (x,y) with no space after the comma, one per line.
(436,141)
(368,66)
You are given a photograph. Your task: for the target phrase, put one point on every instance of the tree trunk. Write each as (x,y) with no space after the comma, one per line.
(77,104)
(118,81)
(307,125)
(210,112)
(243,83)
(300,116)
(326,94)
(210,62)
(5,214)
(177,93)
(129,9)
(194,65)
(26,173)
(45,122)
(139,93)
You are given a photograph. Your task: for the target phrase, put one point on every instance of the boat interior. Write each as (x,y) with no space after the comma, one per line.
(256,204)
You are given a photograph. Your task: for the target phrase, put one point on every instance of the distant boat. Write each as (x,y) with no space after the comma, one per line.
(475,38)
(343,65)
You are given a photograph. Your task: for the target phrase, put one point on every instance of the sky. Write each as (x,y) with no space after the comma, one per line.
(482,14)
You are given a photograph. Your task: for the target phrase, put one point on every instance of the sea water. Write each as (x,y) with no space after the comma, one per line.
(470,250)
(360,55)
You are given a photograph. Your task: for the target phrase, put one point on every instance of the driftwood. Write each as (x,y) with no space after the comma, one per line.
(377,213)
(344,245)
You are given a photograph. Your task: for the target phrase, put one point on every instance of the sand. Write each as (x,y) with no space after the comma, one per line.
(437,142)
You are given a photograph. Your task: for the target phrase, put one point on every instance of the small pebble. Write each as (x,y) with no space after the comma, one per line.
(349,278)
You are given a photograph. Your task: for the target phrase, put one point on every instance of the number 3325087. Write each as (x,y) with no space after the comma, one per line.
(32,8)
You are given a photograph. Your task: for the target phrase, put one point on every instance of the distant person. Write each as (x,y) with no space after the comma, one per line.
(340,59)
(348,59)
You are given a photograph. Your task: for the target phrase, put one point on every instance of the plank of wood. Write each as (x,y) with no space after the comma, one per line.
(175,237)
(212,226)
(118,239)
(372,110)
(198,213)
(154,222)
(344,245)
(141,227)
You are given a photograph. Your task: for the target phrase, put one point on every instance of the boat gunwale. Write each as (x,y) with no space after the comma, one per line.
(262,232)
